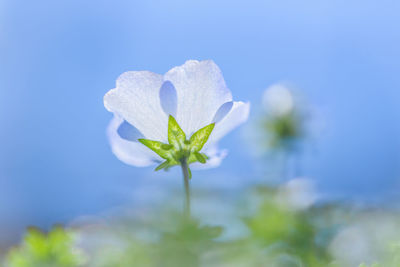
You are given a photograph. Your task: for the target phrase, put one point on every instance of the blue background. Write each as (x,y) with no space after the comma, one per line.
(58,59)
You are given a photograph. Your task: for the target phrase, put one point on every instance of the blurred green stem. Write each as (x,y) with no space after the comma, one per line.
(185,172)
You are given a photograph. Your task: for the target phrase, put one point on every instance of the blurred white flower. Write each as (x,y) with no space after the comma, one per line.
(278,100)
(298,194)
(367,240)
(195,94)
(351,247)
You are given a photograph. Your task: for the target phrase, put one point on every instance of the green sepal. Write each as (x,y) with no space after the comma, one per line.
(176,136)
(200,157)
(157,147)
(205,156)
(199,138)
(178,148)
(165,165)
(193,159)
(166,146)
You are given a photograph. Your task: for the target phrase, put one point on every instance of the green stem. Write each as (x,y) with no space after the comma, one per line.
(185,172)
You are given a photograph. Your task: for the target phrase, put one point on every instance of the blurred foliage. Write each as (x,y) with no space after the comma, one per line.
(278,234)
(175,241)
(56,249)
(288,234)
(186,244)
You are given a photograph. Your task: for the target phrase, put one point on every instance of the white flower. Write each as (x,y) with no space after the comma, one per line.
(195,94)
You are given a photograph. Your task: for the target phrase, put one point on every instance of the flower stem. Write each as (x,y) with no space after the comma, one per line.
(185,172)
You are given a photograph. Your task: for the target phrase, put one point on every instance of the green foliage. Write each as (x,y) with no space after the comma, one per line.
(56,249)
(277,236)
(285,231)
(128,253)
(179,148)
(178,241)
(185,244)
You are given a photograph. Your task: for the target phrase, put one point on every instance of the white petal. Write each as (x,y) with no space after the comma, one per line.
(201,90)
(222,111)
(215,158)
(128,132)
(236,116)
(136,99)
(168,98)
(132,153)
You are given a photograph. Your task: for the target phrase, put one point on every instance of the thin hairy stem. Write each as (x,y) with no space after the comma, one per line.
(185,172)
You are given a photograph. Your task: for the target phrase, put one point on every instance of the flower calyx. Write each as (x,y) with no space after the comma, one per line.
(179,148)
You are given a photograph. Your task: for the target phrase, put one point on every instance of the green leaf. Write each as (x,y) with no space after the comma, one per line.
(157,147)
(200,157)
(176,136)
(199,138)
(163,165)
